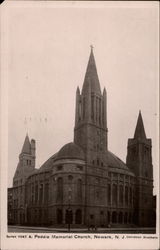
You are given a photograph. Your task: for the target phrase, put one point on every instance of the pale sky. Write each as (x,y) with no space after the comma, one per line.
(48,52)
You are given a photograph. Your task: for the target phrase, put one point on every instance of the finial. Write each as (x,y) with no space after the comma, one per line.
(91,47)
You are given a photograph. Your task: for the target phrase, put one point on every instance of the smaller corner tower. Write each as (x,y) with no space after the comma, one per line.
(26,163)
(139,160)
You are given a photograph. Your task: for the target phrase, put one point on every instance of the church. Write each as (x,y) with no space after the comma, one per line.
(84,184)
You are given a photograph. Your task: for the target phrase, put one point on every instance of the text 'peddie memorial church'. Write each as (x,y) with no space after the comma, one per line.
(84,183)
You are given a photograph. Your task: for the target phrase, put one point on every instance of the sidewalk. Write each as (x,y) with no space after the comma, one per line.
(79,230)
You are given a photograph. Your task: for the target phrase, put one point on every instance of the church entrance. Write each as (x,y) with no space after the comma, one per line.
(59,216)
(78,216)
(114,217)
(120,218)
(69,216)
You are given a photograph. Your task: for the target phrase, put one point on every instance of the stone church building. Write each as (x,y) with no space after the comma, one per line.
(84,184)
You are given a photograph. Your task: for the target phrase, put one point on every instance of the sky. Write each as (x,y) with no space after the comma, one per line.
(48,50)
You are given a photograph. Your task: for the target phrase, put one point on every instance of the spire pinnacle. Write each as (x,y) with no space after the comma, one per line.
(91,47)
(91,76)
(140,131)
(26,146)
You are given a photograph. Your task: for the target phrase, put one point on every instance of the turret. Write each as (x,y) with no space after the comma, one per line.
(26,162)
(139,151)
(139,160)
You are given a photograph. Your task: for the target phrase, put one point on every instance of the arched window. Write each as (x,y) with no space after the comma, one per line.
(79,190)
(78,216)
(130,195)
(70,178)
(109,193)
(114,194)
(46,192)
(121,195)
(60,189)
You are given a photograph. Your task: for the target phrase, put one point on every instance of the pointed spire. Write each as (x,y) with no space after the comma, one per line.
(26,146)
(78,90)
(104,91)
(91,76)
(139,131)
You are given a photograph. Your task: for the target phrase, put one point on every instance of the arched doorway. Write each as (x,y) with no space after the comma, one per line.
(125,218)
(59,216)
(120,218)
(69,216)
(109,220)
(78,216)
(114,217)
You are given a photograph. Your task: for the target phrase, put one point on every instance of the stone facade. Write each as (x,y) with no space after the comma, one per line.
(84,184)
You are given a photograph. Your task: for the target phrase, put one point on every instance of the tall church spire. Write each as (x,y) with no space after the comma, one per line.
(90,130)
(139,131)
(26,146)
(91,76)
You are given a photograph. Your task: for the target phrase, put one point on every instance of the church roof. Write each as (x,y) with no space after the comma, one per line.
(26,146)
(139,131)
(71,150)
(116,163)
(68,151)
(91,77)
(48,164)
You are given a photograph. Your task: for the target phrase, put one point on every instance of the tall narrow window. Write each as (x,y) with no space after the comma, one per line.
(92,107)
(79,190)
(99,111)
(80,110)
(60,189)
(96,108)
(109,193)
(46,192)
(36,193)
(41,193)
(121,195)
(126,195)
(130,195)
(114,194)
